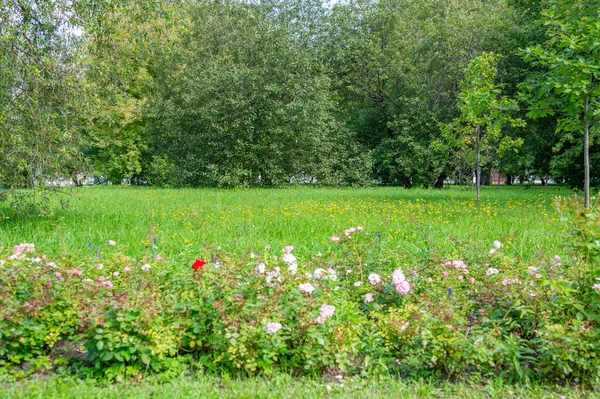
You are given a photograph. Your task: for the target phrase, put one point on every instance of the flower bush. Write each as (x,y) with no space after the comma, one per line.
(358,310)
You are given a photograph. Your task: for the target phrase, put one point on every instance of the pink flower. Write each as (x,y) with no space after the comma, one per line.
(100,266)
(334,239)
(273,327)
(307,287)
(413,272)
(557,258)
(127,269)
(351,229)
(288,249)
(112,243)
(359,228)
(505,282)
(469,292)
(108,284)
(159,258)
(472,280)
(403,288)
(460,278)
(538,275)
(398,276)
(58,276)
(368,298)
(446,274)
(115,274)
(101,279)
(326,312)
(465,271)
(76,272)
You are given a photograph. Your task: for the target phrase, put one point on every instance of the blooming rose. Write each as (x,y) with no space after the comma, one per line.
(273,327)
(198,264)
(306,287)
(403,288)
(398,276)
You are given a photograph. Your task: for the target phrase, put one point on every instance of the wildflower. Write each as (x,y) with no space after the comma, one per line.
(58,275)
(260,269)
(53,265)
(469,292)
(358,284)
(359,228)
(146,267)
(497,244)
(306,287)
(404,326)
(538,276)
(461,277)
(198,264)
(127,269)
(351,229)
(288,258)
(465,271)
(334,239)
(374,278)
(108,284)
(87,280)
(472,280)
(368,298)
(273,327)
(112,243)
(413,272)
(20,249)
(532,270)
(446,274)
(252,255)
(326,312)
(320,273)
(348,271)
(491,271)
(398,276)
(116,274)
(76,272)
(347,233)
(288,249)
(293,268)
(331,274)
(493,251)
(596,287)
(403,288)
(35,260)
(557,258)
(274,275)
(99,266)
(159,258)
(101,279)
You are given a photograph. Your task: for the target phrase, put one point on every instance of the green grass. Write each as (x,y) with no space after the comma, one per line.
(283,387)
(186,221)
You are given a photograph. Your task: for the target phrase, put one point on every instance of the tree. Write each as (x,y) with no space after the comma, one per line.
(484,111)
(42,95)
(244,103)
(566,81)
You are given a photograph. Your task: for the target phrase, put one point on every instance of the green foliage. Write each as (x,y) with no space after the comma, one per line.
(353,311)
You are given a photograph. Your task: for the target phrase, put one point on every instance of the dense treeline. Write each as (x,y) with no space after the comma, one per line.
(244,93)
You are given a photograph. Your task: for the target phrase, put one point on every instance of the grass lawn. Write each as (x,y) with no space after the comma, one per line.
(284,387)
(186,222)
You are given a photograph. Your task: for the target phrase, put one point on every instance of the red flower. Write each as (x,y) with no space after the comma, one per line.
(198,264)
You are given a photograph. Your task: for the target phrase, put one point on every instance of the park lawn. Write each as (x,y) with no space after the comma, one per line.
(283,387)
(184,224)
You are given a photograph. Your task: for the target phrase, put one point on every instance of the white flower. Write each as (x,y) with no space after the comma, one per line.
(596,287)
(374,278)
(146,267)
(331,274)
(273,327)
(497,244)
(348,271)
(306,287)
(260,269)
(293,268)
(368,298)
(404,326)
(252,255)
(308,275)
(493,251)
(532,270)
(288,258)
(273,275)
(398,276)
(320,273)
(491,271)
(358,284)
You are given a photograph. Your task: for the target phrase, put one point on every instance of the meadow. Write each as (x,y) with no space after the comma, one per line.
(301,292)
(184,224)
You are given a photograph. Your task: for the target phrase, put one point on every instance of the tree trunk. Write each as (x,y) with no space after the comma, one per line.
(586,155)
(478,167)
(440,181)
(509,180)
(498,182)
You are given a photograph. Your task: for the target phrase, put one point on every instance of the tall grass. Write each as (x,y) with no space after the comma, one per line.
(187,223)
